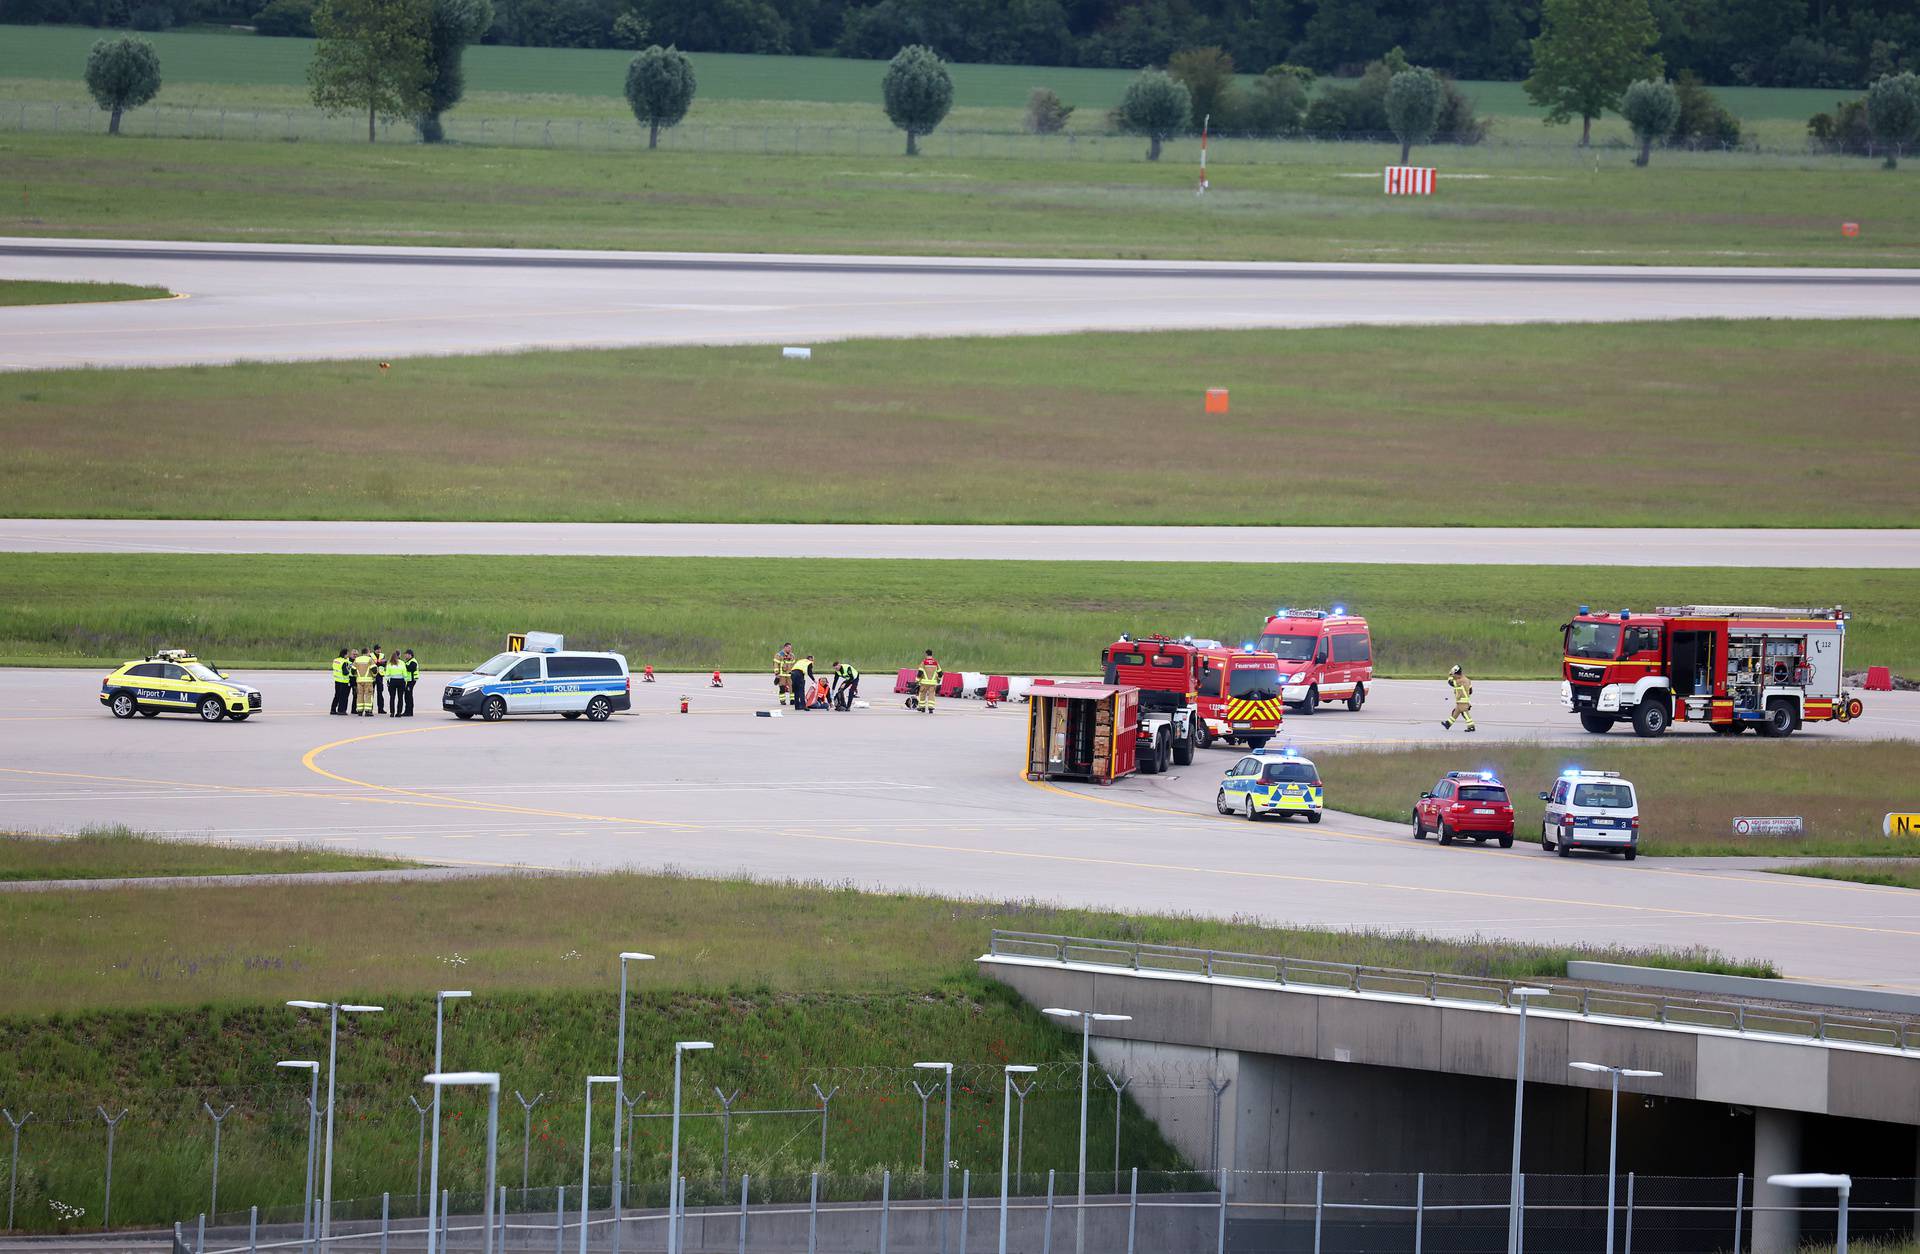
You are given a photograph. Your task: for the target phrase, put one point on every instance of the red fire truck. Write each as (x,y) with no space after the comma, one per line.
(1167,672)
(1325,655)
(1239,695)
(1728,666)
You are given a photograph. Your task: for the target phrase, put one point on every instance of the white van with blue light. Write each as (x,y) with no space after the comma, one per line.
(542,676)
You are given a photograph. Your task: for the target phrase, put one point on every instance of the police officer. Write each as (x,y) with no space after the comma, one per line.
(379,680)
(929,681)
(342,684)
(413,677)
(1462,689)
(394,671)
(800,681)
(365,682)
(783,673)
(846,685)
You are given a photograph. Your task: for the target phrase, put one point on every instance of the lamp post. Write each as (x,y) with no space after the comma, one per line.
(946,1144)
(490,1080)
(620,1086)
(586,1151)
(1087,1018)
(333,1009)
(1006,1135)
(440,1000)
(673,1171)
(1821,1180)
(1515,1220)
(313,1110)
(1613,1125)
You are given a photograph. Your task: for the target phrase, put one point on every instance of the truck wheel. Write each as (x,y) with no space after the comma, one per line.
(495,709)
(1312,702)
(123,705)
(1650,718)
(1257,743)
(1183,751)
(1359,697)
(1162,751)
(1779,720)
(1202,738)
(1598,724)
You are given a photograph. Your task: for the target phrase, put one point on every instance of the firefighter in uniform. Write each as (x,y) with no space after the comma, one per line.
(342,684)
(1462,689)
(783,674)
(364,684)
(846,685)
(395,672)
(413,677)
(929,681)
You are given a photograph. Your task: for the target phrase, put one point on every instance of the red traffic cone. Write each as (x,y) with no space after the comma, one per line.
(716,681)
(683,705)
(647,678)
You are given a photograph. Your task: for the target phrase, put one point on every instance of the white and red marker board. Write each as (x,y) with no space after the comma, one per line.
(1409,180)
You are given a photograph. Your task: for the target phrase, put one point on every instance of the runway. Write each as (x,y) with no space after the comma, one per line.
(891,800)
(307,302)
(1885,549)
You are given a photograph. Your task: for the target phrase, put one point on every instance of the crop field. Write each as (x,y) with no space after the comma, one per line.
(1380,426)
(697,613)
(166,997)
(1690,791)
(116,853)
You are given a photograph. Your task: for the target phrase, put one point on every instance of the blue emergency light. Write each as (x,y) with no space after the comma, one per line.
(1339,609)
(1586,609)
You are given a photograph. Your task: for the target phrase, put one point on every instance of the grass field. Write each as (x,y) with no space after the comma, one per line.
(28,292)
(116,853)
(157,999)
(1689,791)
(1312,202)
(1378,426)
(696,613)
(1902,875)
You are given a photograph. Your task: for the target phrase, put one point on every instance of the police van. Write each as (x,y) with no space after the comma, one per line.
(1591,810)
(538,674)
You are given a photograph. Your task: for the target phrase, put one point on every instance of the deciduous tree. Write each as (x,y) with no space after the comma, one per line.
(1208,76)
(1587,53)
(1651,108)
(372,55)
(1893,112)
(1155,105)
(1413,106)
(917,92)
(122,74)
(660,88)
(452,25)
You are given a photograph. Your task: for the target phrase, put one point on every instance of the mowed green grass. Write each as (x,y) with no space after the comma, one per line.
(1536,425)
(117,853)
(158,999)
(1009,617)
(1690,790)
(32,292)
(1901,875)
(1325,205)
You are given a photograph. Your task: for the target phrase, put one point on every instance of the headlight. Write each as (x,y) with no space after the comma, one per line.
(1297,677)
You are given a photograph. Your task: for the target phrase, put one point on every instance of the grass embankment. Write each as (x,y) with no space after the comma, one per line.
(1309,202)
(1405,426)
(116,853)
(1690,790)
(159,999)
(1902,875)
(1012,617)
(33,292)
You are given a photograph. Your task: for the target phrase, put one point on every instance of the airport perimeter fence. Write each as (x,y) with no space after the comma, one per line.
(746,139)
(1139,1213)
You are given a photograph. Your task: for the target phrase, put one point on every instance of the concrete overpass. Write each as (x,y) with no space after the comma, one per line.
(1351,1069)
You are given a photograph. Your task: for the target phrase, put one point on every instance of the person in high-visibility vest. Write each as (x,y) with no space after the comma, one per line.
(783,674)
(363,684)
(395,672)
(929,681)
(413,677)
(800,681)
(846,685)
(342,684)
(379,680)
(1462,689)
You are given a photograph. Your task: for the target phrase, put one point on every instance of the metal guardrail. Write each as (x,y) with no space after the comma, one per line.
(1750,1017)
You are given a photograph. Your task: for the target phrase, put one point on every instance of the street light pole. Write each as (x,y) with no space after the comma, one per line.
(946,1145)
(1086,1018)
(620,1086)
(673,1173)
(1613,1126)
(586,1152)
(433,1197)
(313,1110)
(1515,1220)
(1821,1180)
(1006,1135)
(333,1043)
(490,1080)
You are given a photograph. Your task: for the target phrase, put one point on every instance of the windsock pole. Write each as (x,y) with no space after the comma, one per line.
(1203,154)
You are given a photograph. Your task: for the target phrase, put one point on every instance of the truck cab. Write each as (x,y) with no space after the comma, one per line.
(1167,673)
(1239,696)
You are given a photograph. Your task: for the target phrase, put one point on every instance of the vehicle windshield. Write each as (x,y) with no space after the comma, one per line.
(1289,648)
(1482,792)
(201,673)
(1290,773)
(1598,640)
(497,664)
(1604,796)
(1261,685)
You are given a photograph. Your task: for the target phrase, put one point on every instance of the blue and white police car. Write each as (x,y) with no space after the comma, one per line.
(1591,810)
(1271,781)
(542,678)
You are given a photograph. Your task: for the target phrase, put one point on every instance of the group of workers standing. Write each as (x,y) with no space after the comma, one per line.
(367,681)
(800,689)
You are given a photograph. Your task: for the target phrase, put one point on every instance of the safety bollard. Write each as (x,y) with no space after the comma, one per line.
(1319,1206)
(813,1215)
(200,1235)
(1739,1196)
(966,1196)
(386,1220)
(745,1176)
(1133,1206)
(560,1221)
(886,1194)
(1220,1242)
(1420,1211)
(1046,1235)
(253,1230)
(1629,1229)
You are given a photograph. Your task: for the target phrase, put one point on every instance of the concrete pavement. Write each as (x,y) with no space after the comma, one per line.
(1883,549)
(889,800)
(307,302)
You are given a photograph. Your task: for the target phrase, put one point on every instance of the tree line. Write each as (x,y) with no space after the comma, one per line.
(1769,43)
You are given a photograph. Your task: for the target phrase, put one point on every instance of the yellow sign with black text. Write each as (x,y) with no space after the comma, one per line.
(1907,825)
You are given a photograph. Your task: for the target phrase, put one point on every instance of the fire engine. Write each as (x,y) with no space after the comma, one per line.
(1728,666)
(1239,695)
(1167,672)
(1325,655)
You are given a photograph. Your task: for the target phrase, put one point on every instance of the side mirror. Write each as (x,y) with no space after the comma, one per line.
(1545,797)
(1426,796)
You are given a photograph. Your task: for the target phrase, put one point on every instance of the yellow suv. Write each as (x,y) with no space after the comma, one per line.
(176,681)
